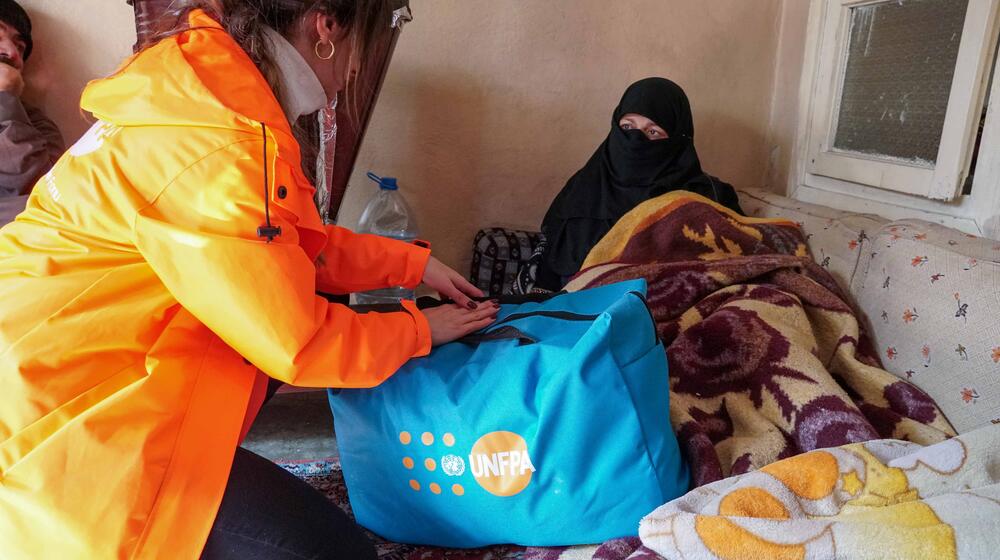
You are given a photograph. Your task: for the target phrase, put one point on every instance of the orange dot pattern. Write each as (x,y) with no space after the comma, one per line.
(427,438)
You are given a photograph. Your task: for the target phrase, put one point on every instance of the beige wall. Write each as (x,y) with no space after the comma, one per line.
(490,105)
(75,42)
(784,122)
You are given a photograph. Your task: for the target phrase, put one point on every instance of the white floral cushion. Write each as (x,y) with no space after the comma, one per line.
(932,299)
(836,239)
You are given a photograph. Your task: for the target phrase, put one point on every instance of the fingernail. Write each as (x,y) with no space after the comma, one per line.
(473,305)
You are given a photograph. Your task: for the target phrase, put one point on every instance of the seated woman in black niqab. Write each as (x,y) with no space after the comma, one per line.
(649,152)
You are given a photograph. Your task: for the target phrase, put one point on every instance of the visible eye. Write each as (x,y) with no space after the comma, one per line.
(656,133)
(625,125)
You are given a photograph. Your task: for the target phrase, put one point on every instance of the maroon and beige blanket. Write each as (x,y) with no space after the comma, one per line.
(767,358)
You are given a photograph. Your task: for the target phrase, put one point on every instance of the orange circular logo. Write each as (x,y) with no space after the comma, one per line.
(500,463)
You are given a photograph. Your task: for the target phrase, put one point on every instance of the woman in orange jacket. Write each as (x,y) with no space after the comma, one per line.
(168,259)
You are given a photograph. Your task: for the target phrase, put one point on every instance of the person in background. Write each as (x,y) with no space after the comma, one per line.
(649,151)
(168,270)
(30,143)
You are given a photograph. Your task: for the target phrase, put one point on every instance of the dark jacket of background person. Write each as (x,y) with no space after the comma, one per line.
(30,144)
(10,207)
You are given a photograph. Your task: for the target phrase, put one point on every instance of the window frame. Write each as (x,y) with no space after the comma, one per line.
(976,213)
(944,180)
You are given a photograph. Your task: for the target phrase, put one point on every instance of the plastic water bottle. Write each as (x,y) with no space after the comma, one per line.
(387,215)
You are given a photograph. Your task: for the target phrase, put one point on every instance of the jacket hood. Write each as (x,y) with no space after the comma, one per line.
(200,78)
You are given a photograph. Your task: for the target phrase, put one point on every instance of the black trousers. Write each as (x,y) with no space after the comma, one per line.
(268,514)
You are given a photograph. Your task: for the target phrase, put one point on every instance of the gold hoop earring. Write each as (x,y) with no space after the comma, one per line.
(333,49)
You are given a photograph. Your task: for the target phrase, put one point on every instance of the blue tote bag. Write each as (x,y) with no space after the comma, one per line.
(551,427)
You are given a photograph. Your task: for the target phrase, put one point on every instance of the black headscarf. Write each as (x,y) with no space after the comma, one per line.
(626,170)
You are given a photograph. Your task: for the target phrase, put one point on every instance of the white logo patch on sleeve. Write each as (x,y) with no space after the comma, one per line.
(93,139)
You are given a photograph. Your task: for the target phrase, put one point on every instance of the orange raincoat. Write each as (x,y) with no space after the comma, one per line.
(137,303)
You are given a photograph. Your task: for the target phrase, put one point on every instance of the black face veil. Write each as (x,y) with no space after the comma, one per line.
(626,170)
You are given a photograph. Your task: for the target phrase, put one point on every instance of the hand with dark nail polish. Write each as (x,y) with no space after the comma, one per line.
(450,284)
(451,322)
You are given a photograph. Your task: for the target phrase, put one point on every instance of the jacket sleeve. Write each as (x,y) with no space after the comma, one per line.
(353,262)
(29,145)
(199,237)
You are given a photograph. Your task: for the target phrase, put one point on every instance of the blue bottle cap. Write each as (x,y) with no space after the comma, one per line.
(387,183)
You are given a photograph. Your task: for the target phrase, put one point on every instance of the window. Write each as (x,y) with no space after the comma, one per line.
(899,92)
